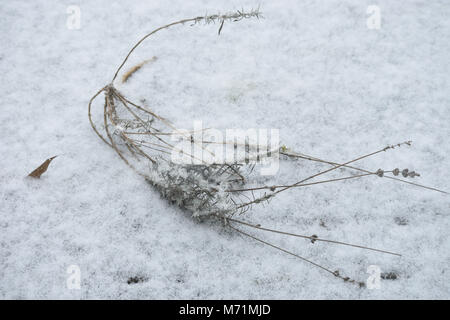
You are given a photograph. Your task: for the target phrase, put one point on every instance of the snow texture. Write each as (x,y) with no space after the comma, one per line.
(313,69)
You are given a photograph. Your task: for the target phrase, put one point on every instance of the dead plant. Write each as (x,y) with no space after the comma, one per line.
(212,190)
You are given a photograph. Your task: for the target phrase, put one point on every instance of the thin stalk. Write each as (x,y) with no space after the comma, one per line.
(312,238)
(311,158)
(334,273)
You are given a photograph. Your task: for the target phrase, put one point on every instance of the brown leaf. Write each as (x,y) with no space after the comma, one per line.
(41,169)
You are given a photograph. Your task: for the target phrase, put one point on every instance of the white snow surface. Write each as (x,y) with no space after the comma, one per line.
(312,69)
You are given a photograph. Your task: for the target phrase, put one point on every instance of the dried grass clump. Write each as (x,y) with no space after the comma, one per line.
(195,188)
(220,191)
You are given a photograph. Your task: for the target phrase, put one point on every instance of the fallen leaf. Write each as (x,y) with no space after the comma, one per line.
(41,169)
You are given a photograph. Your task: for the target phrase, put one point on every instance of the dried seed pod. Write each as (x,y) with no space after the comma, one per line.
(413,174)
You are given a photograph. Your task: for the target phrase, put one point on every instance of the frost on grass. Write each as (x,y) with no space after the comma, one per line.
(198,189)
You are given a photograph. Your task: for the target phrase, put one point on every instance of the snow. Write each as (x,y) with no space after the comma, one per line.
(314,70)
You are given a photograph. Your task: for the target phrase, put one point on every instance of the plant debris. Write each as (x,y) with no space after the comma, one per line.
(210,190)
(136,279)
(136,68)
(36,173)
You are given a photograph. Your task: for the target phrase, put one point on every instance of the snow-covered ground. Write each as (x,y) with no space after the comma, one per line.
(335,88)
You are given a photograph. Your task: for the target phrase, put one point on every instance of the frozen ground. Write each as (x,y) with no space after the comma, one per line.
(313,69)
